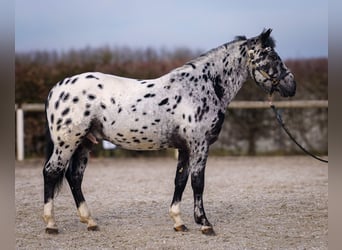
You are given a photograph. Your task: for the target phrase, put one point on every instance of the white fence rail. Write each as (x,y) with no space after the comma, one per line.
(39,107)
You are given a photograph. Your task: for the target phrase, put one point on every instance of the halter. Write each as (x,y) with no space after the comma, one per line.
(256,67)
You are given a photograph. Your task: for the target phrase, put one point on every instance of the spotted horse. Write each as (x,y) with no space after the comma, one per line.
(183,109)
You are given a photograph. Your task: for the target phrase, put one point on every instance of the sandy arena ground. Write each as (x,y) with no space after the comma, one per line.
(253,203)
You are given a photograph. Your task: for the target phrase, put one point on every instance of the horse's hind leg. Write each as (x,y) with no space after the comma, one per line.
(180,183)
(74,175)
(53,173)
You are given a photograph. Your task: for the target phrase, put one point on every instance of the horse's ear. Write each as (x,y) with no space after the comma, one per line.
(265,38)
(265,34)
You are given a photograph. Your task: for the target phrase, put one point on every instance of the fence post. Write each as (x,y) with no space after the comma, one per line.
(20,134)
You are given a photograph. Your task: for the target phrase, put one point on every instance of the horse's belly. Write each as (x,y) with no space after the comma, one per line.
(134,139)
(140,146)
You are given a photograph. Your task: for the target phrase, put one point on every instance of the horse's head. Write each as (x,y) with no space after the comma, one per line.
(266,67)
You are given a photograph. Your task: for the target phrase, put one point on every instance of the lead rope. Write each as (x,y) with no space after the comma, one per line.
(282,124)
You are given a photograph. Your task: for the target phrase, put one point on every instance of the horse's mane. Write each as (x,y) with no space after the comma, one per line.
(214,50)
(269,42)
(240,38)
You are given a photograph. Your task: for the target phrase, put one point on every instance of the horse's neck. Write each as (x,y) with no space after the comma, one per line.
(231,67)
(224,67)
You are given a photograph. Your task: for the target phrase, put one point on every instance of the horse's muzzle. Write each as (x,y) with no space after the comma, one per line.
(287,86)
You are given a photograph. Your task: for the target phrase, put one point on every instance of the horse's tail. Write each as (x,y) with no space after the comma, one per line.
(48,141)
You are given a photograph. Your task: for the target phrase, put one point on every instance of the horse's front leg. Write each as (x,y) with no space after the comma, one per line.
(181,179)
(198,163)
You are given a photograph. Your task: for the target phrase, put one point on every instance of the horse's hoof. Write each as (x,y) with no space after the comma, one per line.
(208,231)
(93,228)
(181,228)
(49,230)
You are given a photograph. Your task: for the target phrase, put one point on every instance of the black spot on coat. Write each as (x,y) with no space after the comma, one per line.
(179,98)
(91,76)
(192,65)
(103,106)
(163,102)
(91,97)
(149,95)
(74,80)
(68,121)
(66,97)
(65,111)
(219,90)
(217,127)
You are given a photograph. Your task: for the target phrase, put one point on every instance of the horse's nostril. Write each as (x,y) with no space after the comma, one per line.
(288,91)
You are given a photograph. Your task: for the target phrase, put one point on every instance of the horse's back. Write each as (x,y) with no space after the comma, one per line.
(89,83)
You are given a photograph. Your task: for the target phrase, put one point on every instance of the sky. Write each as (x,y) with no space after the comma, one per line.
(300,27)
